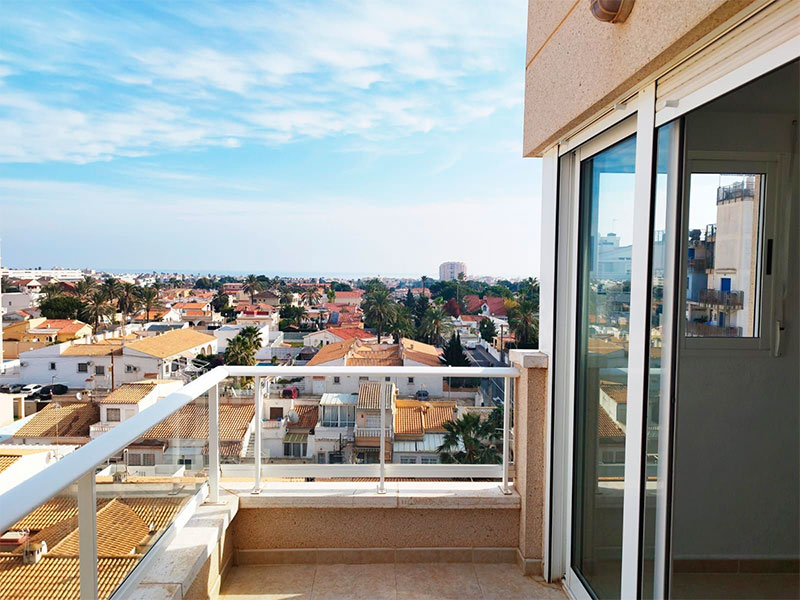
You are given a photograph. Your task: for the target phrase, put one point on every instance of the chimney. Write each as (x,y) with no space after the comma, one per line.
(32,552)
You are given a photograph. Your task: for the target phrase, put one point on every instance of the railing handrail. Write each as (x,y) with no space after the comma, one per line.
(41,487)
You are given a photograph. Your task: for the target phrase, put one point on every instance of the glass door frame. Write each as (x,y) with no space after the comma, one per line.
(637,119)
(561,173)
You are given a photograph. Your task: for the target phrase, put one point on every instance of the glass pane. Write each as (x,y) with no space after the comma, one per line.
(666,189)
(723,255)
(606,229)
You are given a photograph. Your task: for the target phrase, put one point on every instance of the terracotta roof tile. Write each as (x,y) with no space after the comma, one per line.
(119,531)
(68,420)
(171,343)
(606,427)
(191,422)
(331,352)
(308,416)
(370,394)
(130,393)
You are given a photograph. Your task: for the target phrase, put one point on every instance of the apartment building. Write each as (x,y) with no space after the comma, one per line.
(42,329)
(449,271)
(668,133)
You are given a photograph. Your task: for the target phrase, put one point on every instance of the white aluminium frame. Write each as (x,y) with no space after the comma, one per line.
(560,185)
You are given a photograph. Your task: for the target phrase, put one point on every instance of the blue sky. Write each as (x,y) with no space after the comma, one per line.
(316,137)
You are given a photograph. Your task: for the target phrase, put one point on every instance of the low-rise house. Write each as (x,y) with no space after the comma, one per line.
(299,439)
(46,330)
(419,430)
(28,285)
(163,356)
(76,365)
(334,434)
(257,315)
(18,463)
(159,315)
(337,334)
(14,301)
(267,297)
(490,306)
(352,297)
(373,397)
(195,313)
(129,400)
(343,314)
(354,352)
(182,438)
(226,333)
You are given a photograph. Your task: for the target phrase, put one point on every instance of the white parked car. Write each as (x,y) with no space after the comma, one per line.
(31,390)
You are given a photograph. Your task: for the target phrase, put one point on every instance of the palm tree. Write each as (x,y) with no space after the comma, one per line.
(402,325)
(148,297)
(311,296)
(287,297)
(435,323)
(52,290)
(111,288)
(379,308)
(331,294)
(85,288)
(252,285)
(240,352)
(128,300)
(252,335)
(470,440)
(424,279)
(96,309)
(523,321)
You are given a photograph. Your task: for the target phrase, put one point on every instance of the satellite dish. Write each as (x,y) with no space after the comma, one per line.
(292,416)
(79,396)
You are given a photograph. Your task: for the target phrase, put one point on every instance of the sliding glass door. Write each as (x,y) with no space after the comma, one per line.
(606,194)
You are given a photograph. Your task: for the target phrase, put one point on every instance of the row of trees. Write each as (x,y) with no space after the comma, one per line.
(93,301)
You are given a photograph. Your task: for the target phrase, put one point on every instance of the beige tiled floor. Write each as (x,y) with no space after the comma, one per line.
(459,581)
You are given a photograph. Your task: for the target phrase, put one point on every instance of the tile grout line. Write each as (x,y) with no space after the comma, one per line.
(477,580)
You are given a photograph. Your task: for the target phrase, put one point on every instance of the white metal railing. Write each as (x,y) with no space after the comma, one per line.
(80,466)
(371,432)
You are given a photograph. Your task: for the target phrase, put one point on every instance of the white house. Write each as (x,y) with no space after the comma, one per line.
(354,352)
(323,337)
(78,366)
(226,333)
(128,400)
(162,356)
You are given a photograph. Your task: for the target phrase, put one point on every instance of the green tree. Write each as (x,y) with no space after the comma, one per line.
(111,289)
(454,352)
(252,285)
(52,290)
(253,336)
(331,294)
(424,280)
(379,308)
(149,299)
(338,286)
(435,323)
(96,309)
(128,300)
(5,285)
(402,324)
(220,301)
(470,440)
(85,288)
(61,307)
(410,301)
(523,321)
(204,283)
(311,296)
(240,351)
(420,309)
(487,330)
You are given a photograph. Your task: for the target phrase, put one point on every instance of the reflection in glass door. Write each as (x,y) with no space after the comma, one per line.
(605,244)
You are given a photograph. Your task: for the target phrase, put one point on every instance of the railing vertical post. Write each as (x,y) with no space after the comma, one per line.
(213,444)
(257,433)
(382,482)
(506,432)
(87,536)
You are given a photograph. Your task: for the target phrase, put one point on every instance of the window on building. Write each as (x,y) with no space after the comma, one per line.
(337,380)
(275,412)
(410,381)
(186,462)
(129,368)
(387,378)
(99,370)
(408,460)
(112,414)
(52,366)
(362,378)
(149,459)
(430,460)
(134,459)
(295,449)
(83,367)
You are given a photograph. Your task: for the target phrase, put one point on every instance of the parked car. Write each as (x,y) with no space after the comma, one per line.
(290,392)
(48,391)
(11,388)
(31,391)
(422,395)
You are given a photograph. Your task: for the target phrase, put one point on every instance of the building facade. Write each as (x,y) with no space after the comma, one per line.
(449,271)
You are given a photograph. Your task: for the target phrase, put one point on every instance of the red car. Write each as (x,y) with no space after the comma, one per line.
(290,392)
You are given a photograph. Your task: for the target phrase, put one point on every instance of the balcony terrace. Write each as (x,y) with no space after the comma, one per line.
(294,529)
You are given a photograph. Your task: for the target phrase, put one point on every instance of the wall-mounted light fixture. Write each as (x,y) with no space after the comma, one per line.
(611,11)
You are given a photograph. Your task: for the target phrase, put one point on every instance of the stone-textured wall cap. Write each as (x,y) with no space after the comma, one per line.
(528,359)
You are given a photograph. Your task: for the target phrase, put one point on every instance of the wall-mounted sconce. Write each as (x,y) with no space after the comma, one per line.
(611,11)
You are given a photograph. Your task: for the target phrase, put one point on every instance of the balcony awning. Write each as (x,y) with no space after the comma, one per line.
(295,438)
(338,399)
